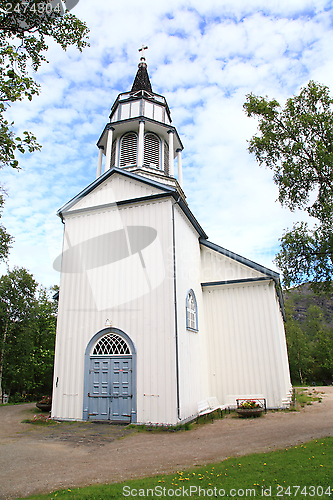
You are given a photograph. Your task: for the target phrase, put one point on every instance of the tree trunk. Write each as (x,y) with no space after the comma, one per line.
(2,357)
(299,368)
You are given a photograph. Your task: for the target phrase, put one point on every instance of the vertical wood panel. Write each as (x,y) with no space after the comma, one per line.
(245,342)
(193,376)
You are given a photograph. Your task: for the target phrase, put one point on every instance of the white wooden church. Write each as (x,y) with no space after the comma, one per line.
(153,317)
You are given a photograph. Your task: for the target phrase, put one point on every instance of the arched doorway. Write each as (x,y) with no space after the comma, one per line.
(110,377)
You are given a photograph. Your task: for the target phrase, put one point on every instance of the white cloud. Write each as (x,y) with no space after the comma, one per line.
(204,57)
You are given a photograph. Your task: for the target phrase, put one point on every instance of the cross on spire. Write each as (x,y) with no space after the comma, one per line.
(143,48)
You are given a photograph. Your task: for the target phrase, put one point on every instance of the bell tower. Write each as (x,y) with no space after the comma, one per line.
(139,136)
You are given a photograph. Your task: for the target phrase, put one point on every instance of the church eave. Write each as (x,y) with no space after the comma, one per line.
(124,124)
(236,282)
(144,199)
(184,206)
(130,201)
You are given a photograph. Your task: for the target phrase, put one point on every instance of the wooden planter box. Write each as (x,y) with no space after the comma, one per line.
(250,412)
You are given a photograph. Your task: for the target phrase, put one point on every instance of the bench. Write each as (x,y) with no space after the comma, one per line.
(209,405)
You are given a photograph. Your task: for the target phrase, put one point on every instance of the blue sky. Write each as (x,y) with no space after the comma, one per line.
(204,57)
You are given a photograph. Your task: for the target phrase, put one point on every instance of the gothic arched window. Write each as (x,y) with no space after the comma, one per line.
(128,149)
(151,157)
(191,312)
(111,345)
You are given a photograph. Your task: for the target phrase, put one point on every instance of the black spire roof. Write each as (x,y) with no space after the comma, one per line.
(142,81)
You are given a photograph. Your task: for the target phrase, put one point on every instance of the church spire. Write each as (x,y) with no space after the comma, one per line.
(140,136)
(142,81)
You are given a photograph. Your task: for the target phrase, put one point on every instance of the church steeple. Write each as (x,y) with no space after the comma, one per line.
(142,81)
(139,136)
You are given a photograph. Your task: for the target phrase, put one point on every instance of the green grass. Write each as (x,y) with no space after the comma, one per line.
(303,471)
(40,419)
(306,396)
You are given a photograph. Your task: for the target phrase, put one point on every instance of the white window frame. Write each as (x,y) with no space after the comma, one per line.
(191,311)
(112,340)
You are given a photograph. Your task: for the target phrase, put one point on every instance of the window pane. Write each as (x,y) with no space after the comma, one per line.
(111,345)
(191,312)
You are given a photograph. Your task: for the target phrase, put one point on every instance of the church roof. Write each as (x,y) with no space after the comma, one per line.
(141,81)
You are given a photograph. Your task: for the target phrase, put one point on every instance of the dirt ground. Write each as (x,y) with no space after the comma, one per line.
(42,459)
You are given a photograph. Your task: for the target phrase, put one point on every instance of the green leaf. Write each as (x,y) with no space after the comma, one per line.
(296,143)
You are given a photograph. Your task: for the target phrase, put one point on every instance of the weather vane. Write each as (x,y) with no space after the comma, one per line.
(143,48)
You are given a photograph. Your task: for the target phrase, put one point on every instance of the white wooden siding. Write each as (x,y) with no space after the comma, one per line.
(115,188)
(245,342)
(218,267)
(192,346)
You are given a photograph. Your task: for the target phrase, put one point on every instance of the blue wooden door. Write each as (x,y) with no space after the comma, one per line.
(110,395)
(121,389)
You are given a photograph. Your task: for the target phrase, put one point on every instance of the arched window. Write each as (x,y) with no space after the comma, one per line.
(128,149)
(151,156)
(191,312)
(111,345)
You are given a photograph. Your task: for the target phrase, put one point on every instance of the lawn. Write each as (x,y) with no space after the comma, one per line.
(299,472)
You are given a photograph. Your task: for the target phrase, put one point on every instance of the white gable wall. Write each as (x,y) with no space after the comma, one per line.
(218,267)
(113,189)
(148,318)
(247,353)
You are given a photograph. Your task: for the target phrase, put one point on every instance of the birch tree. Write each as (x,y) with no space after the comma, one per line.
(296,143)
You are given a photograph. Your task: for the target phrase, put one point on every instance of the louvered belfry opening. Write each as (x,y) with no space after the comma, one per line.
(111,345)
(113,154)
(151,157)
(166,158)
(128,149)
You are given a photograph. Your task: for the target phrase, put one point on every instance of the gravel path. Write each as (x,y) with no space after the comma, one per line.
(42,459)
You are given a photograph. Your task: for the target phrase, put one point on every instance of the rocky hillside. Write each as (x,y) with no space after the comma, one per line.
(302,297)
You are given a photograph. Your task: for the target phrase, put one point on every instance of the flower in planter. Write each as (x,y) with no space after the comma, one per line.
(46,400)
(45,403)
(249,405)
